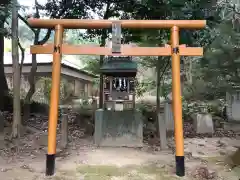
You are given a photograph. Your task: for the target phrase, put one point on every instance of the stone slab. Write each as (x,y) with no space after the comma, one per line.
(203,123)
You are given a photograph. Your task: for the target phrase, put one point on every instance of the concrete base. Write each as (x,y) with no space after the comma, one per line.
(203,123)
(118,128)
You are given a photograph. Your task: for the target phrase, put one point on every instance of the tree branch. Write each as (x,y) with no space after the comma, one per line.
(104,31)
(106,14)
(164,69)
(41,7)
(37,14)
(22,56)
(25,21)
(46,37)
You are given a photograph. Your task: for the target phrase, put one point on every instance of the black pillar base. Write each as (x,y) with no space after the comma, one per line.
(50,164)
(180,166)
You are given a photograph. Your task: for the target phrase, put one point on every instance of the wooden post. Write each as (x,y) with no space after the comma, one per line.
(64,131)
(54,101)
(177,102)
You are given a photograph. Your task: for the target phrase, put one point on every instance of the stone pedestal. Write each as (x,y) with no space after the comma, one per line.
(168,116)
(162,132)
(118,128)
(203,123)
(98,126)
(64,131)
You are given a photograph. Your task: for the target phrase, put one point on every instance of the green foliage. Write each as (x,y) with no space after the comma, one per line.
(214,107)
(220,66)
(146,109)
(142,87)
(218,70)
(66,9)
(5,11)
(92,65)
(66,89)
(174,9)
(47,87)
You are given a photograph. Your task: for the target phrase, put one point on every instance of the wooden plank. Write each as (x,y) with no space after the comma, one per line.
(126,50)
(190,51)
(99,24)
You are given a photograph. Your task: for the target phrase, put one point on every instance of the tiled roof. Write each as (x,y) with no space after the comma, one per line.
(41,58)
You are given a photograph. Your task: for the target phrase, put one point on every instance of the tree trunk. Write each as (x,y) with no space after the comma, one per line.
(31,91)
(4,86)
(16,74)
(161,121)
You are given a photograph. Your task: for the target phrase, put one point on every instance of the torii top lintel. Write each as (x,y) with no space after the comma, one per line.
(100,24)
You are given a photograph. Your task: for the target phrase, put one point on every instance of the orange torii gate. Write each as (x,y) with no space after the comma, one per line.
(58,48)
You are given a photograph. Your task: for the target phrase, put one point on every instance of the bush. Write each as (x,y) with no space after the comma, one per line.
(35,107)
(66,89)
(213,107)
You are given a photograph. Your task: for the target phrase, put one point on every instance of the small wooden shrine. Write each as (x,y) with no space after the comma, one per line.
(119,83)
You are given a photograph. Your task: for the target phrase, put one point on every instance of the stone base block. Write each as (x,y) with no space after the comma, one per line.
(203,123)
(118,128)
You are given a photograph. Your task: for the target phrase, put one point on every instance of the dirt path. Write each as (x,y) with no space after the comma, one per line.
(83,161)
